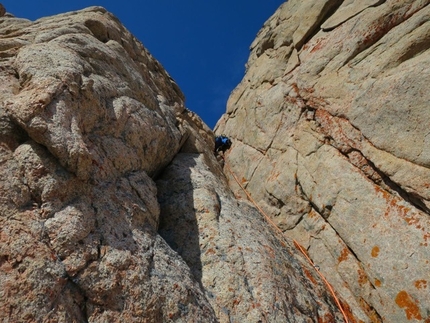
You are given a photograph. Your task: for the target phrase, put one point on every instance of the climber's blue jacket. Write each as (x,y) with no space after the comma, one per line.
(222,143)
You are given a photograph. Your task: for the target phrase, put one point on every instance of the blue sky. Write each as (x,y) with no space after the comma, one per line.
(203,44)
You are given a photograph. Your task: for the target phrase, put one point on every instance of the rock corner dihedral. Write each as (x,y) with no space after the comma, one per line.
(113,205)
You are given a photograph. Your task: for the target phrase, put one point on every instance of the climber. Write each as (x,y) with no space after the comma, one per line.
(222,143)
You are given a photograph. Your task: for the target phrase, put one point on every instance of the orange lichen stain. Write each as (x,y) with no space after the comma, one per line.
(318,46)
(270,251)
(395,208)
(312,214)
(362,278)
(370,311)
(309,275)
(377,283)
(255,305)
(274,176)
(411,220)
(309,89)
(328,318)
(421,284)
(343,255)
(405,301)
(210,251)
(348,312)
(375,251)
(383,192)
(243,180)
(236,302)
(426,238)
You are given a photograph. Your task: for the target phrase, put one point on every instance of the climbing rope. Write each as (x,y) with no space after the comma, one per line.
(298,246)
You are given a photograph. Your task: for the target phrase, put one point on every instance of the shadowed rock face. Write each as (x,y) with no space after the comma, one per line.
(113,207)
(331,137)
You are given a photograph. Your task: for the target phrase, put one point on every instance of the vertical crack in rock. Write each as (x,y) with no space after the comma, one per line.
(327,11)
(394,187)
(340,139)
(231,251)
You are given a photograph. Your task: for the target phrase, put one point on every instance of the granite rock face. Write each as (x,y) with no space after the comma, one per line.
(249,274)
(331,137)
(113,205)
(88,118)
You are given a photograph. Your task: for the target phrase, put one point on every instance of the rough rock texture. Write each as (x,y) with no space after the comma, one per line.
(2,10)
(331,137)
(248,274)
(87,117)
(113,206)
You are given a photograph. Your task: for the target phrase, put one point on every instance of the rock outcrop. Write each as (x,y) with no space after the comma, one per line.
(331,137)
(88,117)
(113,206)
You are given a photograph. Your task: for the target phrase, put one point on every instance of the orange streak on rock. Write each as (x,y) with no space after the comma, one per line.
(343,255)
(375,251)
(405,301)
(421,284)
(362,278)
(378,283)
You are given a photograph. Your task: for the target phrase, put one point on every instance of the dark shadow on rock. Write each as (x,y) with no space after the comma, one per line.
(178,220)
